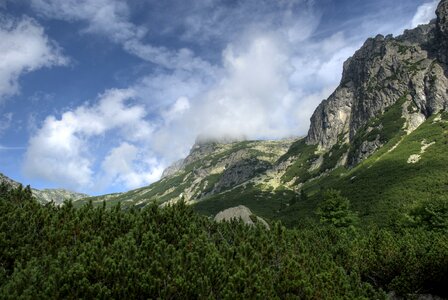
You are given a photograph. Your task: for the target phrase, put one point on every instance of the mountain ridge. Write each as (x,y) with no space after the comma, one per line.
(46,195)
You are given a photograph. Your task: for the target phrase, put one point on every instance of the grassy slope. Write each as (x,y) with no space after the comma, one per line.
(381,188)
(385,185)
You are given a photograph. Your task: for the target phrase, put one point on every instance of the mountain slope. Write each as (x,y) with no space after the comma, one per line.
(47,195)
(212,167)
(380,138)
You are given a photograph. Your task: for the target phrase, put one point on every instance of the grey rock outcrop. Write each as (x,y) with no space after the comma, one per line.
(442,30)
(240,170)
(173,169)
(379,74)
(240,212)
(202,147)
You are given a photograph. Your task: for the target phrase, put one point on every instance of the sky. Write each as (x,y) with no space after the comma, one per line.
(99,96)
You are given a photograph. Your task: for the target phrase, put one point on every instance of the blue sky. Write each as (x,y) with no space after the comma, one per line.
(100,96)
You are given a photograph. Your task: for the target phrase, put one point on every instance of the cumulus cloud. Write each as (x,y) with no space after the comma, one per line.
(24,48)
(61,151)
(253,91)
(425,13)
(126,165)
(269,86)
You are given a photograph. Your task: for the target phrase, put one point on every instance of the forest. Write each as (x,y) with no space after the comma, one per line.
(54,252)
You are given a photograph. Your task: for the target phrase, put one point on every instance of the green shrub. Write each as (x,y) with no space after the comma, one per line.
(99,252)
(335,210)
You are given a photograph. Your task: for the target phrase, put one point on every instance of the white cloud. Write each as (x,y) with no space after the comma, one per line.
(124,165)
(177,110)
(61,151)
(425,13)
(249,97)
(269,86)
(214,22)
(111,19)
(24,48)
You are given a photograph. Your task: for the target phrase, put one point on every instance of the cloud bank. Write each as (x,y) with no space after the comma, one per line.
(63,149)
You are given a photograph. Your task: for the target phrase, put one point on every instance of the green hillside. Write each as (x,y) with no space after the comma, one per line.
(381,189)
(50,252)
(391,182)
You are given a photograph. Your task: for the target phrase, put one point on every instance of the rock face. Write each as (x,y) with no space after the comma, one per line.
(214,166)
(385,70)
(201,148)
(240,212)
(240,171)
(47,195)
(442,31)
(171,170)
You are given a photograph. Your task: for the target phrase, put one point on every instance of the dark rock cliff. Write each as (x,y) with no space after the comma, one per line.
(410,69)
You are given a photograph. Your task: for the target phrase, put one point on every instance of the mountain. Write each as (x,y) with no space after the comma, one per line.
(212,167)
(408,70)
(47,195)
(381,139)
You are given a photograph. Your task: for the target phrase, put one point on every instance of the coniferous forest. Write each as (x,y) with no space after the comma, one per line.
(49,251)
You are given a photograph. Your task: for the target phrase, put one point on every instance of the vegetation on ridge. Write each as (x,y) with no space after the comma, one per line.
(63,252)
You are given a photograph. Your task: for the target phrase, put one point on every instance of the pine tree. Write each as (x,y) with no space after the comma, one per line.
(335,210)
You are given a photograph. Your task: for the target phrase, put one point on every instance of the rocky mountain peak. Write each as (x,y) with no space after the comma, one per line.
(408,71)
(203,146)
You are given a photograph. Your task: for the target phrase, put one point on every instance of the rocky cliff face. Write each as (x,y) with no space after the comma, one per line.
(442,31)
(410,70)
